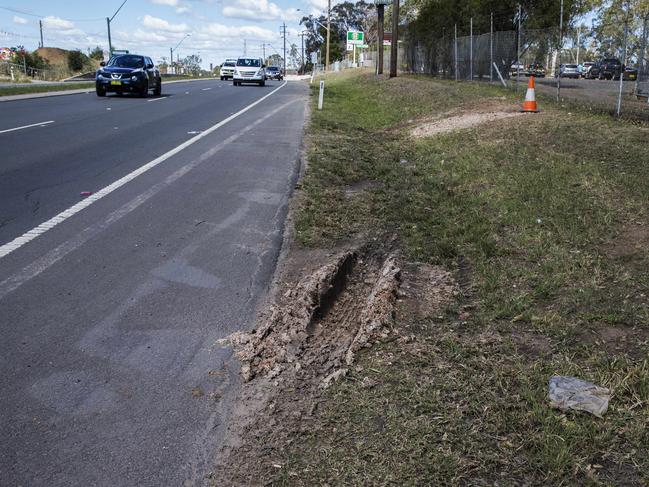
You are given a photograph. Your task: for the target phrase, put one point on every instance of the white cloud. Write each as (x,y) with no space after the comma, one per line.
(20,20)
(235,32)
(258,10)
(161,24)
(170,3)
(56,23)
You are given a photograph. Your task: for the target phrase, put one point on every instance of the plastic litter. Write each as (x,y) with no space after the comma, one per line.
(579,395)
(86,193)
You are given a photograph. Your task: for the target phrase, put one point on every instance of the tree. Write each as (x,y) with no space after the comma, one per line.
(76,60)
(97,54)
(192,64)
(274,60)
(345,16)
(609,26)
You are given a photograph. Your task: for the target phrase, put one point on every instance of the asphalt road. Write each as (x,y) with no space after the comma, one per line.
(110,370)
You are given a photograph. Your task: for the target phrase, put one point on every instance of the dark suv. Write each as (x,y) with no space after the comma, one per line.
(274,72)
(605,69)
(128,73)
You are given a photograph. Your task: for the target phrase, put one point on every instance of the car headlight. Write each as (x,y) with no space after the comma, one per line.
(133,78)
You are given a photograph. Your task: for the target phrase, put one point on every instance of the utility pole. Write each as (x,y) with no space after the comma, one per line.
(380,8)
(108,21)
(302,34)
(40,25)
(263,51)
(394,49)
(284,37)
(560,49)
(328,34)
(110,44)
(171,58)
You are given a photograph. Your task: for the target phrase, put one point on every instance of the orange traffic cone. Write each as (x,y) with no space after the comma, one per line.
(529,105)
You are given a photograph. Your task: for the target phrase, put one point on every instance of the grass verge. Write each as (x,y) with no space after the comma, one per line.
(26,90)
(543,219)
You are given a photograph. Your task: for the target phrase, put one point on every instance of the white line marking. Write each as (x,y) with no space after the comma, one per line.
(158,99)
(205,89)
(42,124)
(64,215)
(53,256)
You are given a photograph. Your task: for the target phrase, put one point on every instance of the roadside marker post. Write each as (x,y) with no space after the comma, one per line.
(321,96)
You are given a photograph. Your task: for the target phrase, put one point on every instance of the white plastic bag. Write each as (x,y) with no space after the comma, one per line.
(578,395)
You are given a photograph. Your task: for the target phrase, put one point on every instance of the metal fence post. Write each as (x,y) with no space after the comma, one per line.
(457,74)
(560,49)
(641,58)
(471,50)
(518,49)
(626,33)
(491,49)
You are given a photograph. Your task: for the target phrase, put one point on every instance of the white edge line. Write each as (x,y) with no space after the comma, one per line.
(18,242)
(158,99)
(27,126)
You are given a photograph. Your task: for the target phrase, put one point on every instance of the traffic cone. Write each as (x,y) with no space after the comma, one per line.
(529,105)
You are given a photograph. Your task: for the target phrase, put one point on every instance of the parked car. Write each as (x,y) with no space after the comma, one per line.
(128,73)
(609,68)
(249,70)
(274,72)
(568,71)
(630,74)
(227,69)
(515,69)
(585,68)
(537,70)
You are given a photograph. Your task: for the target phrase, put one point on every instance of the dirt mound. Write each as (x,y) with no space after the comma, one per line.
(462,121)
(53,55)
(310,338)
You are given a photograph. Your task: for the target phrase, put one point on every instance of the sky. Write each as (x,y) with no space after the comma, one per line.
(217,29)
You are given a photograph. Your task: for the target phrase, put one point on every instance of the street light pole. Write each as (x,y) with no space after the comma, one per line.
(395,39)
(171,50)
(108,21)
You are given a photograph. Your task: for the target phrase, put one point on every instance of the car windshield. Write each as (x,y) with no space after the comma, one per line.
(249,63)
(127,62)
(571,66)
(273,68)
(229,63)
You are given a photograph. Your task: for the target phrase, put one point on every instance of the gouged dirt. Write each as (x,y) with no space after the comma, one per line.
(312,335)
(462,121)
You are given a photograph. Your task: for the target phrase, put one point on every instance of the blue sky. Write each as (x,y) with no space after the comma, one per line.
(218,28)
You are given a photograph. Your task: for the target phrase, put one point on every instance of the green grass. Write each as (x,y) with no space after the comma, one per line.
(546,218)
(25,90)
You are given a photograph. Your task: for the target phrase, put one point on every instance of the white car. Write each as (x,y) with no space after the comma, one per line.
(249,70)
(227,69)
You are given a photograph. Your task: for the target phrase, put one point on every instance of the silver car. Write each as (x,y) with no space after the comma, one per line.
(249,70)
(569,71)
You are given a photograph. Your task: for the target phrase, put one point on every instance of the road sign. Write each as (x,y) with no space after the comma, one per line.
(364,46)
(350,46)
(355,37)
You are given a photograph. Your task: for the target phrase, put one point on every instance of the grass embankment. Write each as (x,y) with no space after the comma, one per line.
(544,219)
(38,88)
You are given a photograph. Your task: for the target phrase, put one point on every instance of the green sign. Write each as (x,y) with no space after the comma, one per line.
(354,37)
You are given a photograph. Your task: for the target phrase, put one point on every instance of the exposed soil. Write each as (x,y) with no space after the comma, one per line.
(462,121)
(310,337)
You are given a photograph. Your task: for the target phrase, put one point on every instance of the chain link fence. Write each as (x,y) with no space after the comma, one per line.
(566,63)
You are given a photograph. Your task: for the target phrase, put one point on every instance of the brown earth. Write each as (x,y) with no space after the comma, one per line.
(309,338)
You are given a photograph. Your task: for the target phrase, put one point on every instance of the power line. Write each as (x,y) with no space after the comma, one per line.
(29,14)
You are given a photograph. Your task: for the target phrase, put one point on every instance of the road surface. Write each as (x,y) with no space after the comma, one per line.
(111,304)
